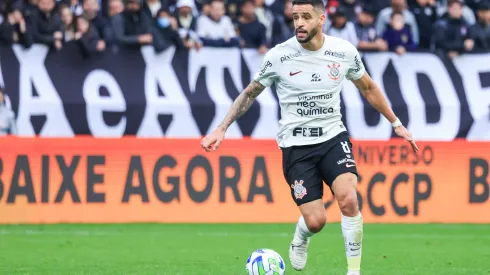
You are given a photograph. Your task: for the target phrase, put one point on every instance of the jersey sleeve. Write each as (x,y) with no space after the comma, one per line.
(267,73)
(356,67)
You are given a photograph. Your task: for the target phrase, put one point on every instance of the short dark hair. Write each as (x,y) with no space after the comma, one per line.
(393,14)
(483,6)
(315,3)
(245,2)
(212,1)
(453,2)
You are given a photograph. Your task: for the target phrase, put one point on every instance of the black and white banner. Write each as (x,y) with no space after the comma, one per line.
(186,94)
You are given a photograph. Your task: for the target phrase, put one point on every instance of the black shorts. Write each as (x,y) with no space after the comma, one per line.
(307,167)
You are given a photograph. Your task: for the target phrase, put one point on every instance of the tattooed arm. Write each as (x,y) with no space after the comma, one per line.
(242,104)
(264,77)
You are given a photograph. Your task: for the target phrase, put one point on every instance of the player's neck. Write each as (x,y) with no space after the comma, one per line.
(315,43)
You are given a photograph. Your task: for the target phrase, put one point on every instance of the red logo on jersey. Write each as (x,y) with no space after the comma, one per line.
(334,71)
(291,73)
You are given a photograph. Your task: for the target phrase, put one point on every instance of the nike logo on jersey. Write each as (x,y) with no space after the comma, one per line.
(349,165)
(291,73)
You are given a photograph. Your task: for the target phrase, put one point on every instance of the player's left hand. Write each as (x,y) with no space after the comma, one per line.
(404,133)
(212,141)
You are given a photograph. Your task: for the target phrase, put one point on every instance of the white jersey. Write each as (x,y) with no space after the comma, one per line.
(308,85)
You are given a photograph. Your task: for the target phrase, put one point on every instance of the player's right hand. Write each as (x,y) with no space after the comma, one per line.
(212,141)
(404,133)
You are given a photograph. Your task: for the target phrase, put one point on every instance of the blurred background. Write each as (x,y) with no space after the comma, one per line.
(447,27)
(103,104)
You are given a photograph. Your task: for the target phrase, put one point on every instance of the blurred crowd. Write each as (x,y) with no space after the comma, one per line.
(449,27)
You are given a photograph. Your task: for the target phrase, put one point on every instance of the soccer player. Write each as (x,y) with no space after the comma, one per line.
(309,71)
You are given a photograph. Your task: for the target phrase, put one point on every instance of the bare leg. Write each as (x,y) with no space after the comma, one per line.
(344,188)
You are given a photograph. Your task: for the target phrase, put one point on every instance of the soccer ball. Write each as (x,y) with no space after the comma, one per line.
(265,262)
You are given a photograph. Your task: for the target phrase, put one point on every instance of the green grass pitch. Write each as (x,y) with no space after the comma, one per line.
(222,249)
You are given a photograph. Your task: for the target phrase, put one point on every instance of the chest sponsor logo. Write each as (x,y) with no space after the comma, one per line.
(335,54)
(316,78)
(308,132)
(289,56)
(307,105)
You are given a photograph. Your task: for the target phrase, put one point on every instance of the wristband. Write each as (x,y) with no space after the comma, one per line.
(396,123)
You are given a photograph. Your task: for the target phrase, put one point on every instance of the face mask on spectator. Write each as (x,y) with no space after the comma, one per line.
(163,22)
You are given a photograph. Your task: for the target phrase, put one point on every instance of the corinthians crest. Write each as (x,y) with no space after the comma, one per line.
(334,71)
(299,189)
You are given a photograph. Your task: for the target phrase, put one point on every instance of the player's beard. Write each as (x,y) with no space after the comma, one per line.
(309,37)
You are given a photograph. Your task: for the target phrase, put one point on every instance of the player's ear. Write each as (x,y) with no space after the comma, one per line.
(321,13)
(323,18)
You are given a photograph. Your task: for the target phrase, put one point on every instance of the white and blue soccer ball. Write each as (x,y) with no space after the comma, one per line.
(265,262)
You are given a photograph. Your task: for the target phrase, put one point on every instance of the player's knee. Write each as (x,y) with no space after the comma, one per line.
(315,222)
(345,193)
(348,204)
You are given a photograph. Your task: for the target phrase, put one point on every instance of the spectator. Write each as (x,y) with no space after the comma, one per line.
(75,7)
(265,17)
(7,118)
(398,35)
(330,8)
(217,30)
(184,15)
(68,24)
(384,18)
(366,32)
(47,25)
(206,9)
(115,7)
(425,12)
(468,14)
(14,29)
(31,9)
(451,34)
(343,28)
(187,22)
(480,32)
(91,10)
(252,32)
(152,7)
(351,9)
(133,27)
(283,27)
(276,6)
(166,33)
(87,36)
(232,9)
